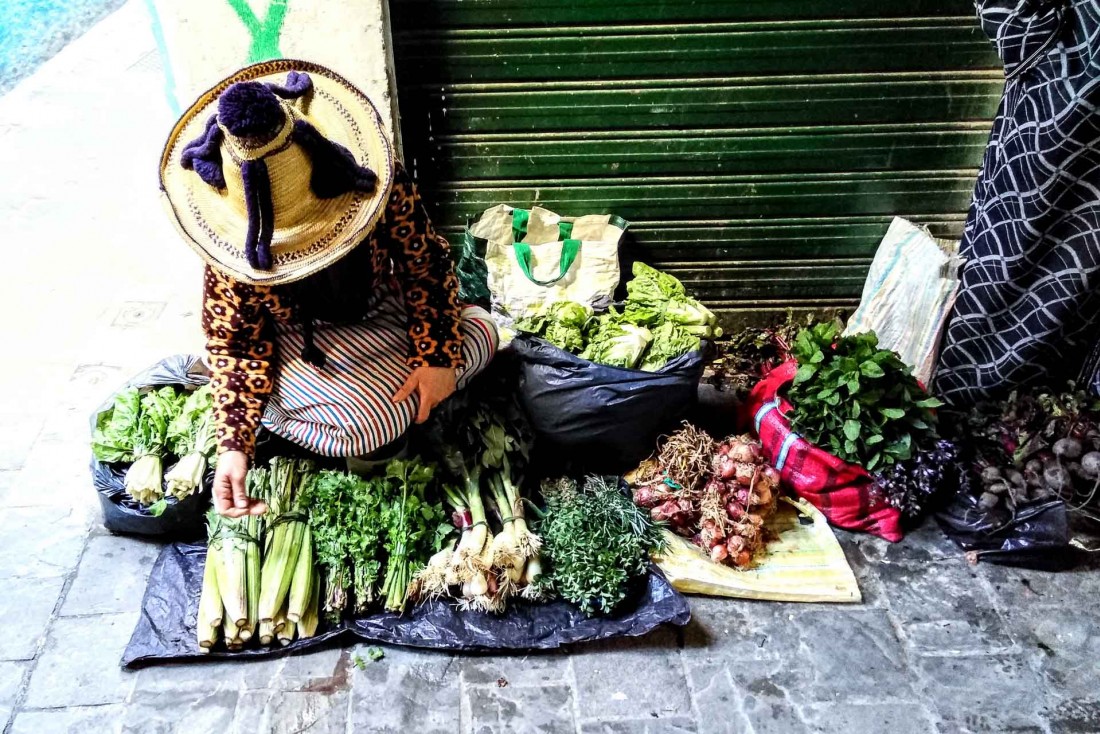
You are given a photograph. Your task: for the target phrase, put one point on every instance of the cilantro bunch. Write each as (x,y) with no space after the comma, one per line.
(857,401)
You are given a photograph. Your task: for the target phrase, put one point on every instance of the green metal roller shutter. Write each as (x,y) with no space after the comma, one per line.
(759,147)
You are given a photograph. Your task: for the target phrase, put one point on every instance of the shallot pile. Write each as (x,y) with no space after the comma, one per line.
(718,494)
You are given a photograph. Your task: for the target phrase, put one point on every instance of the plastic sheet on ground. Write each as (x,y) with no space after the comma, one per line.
(165,631)
(1034,535)
(802,562)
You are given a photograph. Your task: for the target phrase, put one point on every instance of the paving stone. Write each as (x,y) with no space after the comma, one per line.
(632,678)
(945,608)
(406,691)
(516,670)
(1075,716)
(32,602)
(896,718)
(39,542)
(196,679)
(729,629)
(1022,587)
(175,713)
(11,683)
(522,710)
(77,720)
(18,432)
(1067,641)
(851,654)
(79,664)
(926,544)
(992,693)
(766,701)
(111,576)
(290,712)
(641,726)
(717,701)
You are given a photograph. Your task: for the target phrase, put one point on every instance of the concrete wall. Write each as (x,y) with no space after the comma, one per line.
(203,41)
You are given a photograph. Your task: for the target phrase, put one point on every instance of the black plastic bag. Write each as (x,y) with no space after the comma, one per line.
(121,514)
(1035,535)
(166,629)
(602,419)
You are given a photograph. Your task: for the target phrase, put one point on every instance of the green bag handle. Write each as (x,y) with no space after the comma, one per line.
(520,218)
(569,251)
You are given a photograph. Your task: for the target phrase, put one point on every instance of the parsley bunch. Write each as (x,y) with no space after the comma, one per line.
(857,401)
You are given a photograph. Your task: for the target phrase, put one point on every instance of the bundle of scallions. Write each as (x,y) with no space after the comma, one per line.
(259,580)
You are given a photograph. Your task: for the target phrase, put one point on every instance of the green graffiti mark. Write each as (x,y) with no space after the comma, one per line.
(265,34)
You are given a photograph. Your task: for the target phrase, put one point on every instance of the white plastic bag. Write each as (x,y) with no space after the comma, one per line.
(909,294)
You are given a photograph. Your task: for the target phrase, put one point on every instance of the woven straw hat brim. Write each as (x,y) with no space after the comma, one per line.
(310,233)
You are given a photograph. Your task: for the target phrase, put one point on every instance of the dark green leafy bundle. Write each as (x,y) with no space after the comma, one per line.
(857,401)
(596,541)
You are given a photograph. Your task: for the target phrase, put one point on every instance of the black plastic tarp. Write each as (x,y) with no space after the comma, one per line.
(1036,534)
(182,520)
(166,629)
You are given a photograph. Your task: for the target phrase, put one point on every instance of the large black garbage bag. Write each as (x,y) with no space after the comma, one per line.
(121,514)
(166,629)
(602,419)
(1035,535)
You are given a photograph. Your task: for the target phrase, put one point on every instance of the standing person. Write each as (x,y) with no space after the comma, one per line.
(1028,310)
(330,304)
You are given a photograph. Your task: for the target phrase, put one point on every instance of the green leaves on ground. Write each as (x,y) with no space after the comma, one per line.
(857,401)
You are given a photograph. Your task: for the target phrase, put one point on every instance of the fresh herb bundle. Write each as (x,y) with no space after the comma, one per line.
(597,540)
(857,401)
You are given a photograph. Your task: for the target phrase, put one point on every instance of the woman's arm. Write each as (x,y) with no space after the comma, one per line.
(422,263)
(240,352)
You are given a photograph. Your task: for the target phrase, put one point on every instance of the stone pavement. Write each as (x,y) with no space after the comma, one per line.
(96,285)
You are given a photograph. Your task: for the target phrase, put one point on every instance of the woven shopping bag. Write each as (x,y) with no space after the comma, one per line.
(533,257)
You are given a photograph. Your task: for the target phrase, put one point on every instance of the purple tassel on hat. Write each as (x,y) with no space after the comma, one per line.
(203,155)
(335,170)
(261,214)
(297,84)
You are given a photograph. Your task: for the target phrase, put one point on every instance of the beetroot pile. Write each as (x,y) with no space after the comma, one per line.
(718,494)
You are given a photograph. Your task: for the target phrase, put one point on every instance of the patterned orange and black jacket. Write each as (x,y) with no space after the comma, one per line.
(404,249)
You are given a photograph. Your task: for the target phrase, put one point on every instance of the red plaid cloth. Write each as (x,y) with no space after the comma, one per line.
(839,489)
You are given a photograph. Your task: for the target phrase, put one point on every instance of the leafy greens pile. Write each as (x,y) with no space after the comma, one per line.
(596,541)
(658,322)
(857,401)
(142,428)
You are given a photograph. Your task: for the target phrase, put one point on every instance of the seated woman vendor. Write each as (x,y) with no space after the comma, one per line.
(330,304)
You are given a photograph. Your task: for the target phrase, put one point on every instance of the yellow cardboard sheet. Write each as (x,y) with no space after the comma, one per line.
(804,563)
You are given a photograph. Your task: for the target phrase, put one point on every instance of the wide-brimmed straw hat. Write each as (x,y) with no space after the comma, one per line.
(277,172)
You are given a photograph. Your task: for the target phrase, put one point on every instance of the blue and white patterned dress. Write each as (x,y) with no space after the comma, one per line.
(1028,311)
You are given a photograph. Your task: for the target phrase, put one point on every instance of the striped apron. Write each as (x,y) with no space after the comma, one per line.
(346,407)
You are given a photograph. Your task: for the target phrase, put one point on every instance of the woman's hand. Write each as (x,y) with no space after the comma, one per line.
(230,497)
(433,384)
